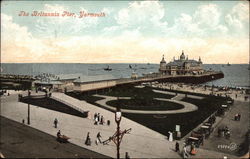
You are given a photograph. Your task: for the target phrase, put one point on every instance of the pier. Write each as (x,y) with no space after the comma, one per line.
(24,82)
(193,79)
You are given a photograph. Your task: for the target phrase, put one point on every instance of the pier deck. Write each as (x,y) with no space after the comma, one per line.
(209,76)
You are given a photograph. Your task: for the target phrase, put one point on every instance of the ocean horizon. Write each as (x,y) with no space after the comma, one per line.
(235,75)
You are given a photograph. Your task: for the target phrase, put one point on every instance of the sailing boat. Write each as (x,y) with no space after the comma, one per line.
(108,69)
(228,64)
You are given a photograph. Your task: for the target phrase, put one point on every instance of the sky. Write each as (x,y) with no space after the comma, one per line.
(129,31)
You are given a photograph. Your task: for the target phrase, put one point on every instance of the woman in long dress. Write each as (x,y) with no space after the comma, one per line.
(170,138)
(88,141)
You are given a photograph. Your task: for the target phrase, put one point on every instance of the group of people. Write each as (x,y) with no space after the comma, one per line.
(98,139)
(99,119)
(224,132)
(88,139)
(237,117)
(185,151)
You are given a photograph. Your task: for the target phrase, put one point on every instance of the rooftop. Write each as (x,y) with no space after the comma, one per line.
(85,79)
(68,76)
(181,62)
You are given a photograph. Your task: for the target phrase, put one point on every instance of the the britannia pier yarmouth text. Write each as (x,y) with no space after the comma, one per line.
(80,14)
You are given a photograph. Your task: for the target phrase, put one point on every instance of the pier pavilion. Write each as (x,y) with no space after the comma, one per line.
(182,66)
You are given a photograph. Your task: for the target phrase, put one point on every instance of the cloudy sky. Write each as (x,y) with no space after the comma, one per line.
(130,31)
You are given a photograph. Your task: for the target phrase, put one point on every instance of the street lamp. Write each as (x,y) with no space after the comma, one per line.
(212,85)
(118,117)
(117,137)
(28,114)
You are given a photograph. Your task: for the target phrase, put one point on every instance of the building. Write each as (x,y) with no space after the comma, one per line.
(182,66)
(88,83)
(61,82)
(75,82)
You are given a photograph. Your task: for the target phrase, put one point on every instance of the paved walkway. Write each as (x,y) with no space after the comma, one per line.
(188,107)
(238,130)
(201,89)
(163,92)
(179,96)
(21,141)
(141,143)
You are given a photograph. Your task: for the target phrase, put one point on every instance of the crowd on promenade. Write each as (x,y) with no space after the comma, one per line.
(16,77)
(97,119)
(235,93)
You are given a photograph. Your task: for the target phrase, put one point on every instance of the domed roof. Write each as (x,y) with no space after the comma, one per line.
(182,57)
(163,60)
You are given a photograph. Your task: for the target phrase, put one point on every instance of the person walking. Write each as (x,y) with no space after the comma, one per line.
(239,116)
(127,156)
(95,116)
(58,134)
(170,138)
(185,154)
(98,117)
(88,140)
(236,117)
(98,138)
(96,121)
(192,149)
(55,122)
(177,147)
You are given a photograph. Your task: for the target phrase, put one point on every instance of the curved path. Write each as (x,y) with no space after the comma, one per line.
(188,107)
(179,95)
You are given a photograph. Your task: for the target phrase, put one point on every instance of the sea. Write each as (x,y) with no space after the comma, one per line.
(235,75)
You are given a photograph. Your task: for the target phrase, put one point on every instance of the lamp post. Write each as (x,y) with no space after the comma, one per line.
(28,114)
(212,85)
(118,117)
(118,135)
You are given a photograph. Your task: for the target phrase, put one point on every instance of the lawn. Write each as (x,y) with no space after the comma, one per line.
(146,104)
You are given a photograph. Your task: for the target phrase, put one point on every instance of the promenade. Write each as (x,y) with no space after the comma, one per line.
(238,95)
(22,141)
(142,142)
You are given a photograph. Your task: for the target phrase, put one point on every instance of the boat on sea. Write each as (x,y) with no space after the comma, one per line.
(108,69)
(228,64)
